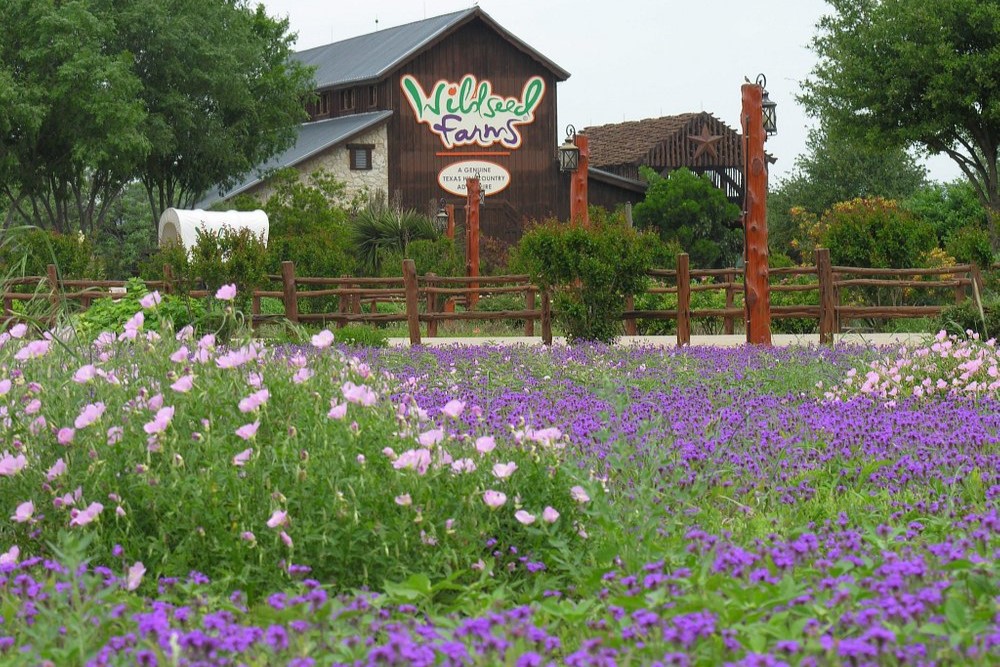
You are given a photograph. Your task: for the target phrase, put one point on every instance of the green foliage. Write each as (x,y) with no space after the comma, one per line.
(589,271)
(959,318)
(948,207)
(915,73)
(127,239)
(495,303)
(876,233)
(112,314)
(970,244)
(29,251)
(688,209)
(361,335)
(438,256)
(231,256)
(381,230)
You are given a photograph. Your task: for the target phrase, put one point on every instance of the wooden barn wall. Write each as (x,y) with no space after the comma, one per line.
(610,196)
(419,155)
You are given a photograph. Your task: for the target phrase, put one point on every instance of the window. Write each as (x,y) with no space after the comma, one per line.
(372,96)
(347,99)
(323,108)
(361,156)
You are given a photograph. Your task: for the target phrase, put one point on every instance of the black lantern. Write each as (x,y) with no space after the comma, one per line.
(442,216)
(768,107)
(569,154)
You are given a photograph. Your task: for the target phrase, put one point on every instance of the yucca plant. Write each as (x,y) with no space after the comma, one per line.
(381,228)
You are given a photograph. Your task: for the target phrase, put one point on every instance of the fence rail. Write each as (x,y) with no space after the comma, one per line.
(431,299)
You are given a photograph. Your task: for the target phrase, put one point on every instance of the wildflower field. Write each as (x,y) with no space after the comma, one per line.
(174,501)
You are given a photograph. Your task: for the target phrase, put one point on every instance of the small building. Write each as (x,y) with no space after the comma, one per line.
(416,109)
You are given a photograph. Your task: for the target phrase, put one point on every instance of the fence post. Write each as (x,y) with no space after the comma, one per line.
(960,289)
(412,314)
(529,304)
(683,299)
(288,291)
(53,279)
(727,323)
(630,327)
(546,318)
(168,279)
(432,300)
(827,298)
(342,302)
(977,288)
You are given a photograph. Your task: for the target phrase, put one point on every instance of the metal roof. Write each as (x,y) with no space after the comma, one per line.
(312,138)
(368,58)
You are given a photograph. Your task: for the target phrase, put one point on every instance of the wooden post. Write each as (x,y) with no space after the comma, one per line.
(449,231)
(168,279)
(683,299)
(432,325)
(254,309)
(472,238)
(757,282)
(827,297)
(53,280)
(529,304)
(960,289)
(412,314)
(578,183)
(342,302)
(630,327)
(727,323)
(289,295)
(546,318)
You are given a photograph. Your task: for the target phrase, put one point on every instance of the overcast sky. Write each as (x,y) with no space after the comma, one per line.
(630,59)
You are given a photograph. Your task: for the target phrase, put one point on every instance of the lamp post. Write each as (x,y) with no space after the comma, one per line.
(574,157)
(445,218)
(759,121)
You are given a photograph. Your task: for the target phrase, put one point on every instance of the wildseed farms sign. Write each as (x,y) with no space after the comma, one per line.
(467,112)
(492,177)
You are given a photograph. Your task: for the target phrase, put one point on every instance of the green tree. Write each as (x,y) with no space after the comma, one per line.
(70,113)
(837,167)
(876,232)
(915,73)
(948,207)
(686,208)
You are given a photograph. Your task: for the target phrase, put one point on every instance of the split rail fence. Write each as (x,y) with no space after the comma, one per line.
(431,299)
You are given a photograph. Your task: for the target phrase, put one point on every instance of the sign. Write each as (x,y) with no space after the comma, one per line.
(492,177)
(467,112)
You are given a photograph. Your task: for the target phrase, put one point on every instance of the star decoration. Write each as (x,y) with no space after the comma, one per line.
(706,142)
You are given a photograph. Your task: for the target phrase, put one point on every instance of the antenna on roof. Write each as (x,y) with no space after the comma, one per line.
(376,24)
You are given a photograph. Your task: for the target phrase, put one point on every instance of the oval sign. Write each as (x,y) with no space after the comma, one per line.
(492,177)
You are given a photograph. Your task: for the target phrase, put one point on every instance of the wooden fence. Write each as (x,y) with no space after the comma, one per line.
(431,299)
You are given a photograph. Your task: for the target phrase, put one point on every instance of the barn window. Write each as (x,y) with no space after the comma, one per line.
(361,156)
(347,99)
(324,104)
(372,96)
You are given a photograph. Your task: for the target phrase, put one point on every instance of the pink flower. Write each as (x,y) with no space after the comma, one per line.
(323,339)
(65,435)
(82,518)
(90,414)
(279,518)
(463,465)
(85,374)
(23,512)
(5,386)
(183,384)
(504,470)
(404,500)
(248,536)
(359,394)
(413,459)
(181,355)
(254,400)
(150,301)
(302,375)
(579,494)
(240,459)
(453,408)
(18,330)
(524,518)
(115,434)
(286,538)
(546,436)
(10,556)
(226,292)
(57,469)
(494,499)
(337,410)
(160,421)
(549,515)
(247,431)
(185,333)
(33,350)
(431,438)
(11,465)
(33,406)
(134,576)
(485,444)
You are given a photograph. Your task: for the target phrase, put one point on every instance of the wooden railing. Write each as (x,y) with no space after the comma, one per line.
(431,299)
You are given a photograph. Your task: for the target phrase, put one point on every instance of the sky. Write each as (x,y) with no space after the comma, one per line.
(631,59)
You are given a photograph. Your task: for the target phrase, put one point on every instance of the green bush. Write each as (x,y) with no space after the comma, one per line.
(589,272)
(233,256)
(495,303)
(961,317)
(112,314)
(381,230)
(28,251)
(970,244)
(438,256)
(361,335)
(876,232)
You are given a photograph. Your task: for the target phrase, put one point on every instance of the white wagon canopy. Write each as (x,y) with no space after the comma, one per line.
(180,225)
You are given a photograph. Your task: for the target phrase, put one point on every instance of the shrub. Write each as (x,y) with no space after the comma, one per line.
(876,232)
(589,272)
(380,229)
(29,250)
(438,256)
(360,335)
(232,256)
(970,244)
(112,314)
(958,318)
(496,303)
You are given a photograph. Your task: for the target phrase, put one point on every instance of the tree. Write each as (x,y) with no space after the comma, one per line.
(915,73)
(221,90)
(876,232)
(688,209)
(837,167)
(70,116)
